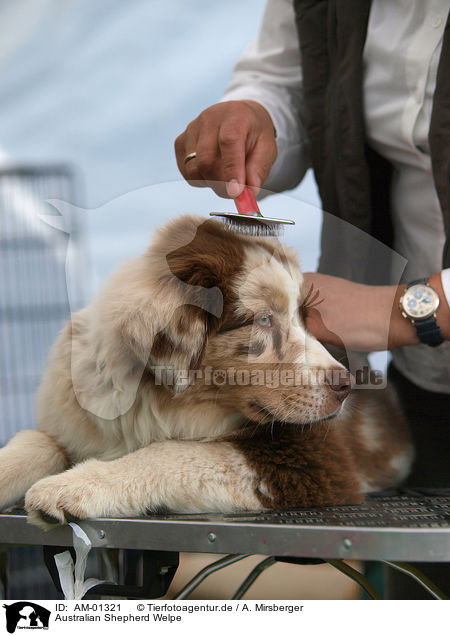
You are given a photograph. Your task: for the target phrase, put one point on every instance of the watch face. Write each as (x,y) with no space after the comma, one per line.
(420,301)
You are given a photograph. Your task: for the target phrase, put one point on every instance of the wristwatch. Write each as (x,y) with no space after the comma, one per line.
(419,303)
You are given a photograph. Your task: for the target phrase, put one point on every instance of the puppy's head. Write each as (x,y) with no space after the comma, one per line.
(220,317)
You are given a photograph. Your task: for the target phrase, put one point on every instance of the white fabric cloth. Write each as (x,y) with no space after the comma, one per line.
(401,56)
(71,575)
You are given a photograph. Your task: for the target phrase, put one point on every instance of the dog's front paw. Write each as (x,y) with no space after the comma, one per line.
(57,499)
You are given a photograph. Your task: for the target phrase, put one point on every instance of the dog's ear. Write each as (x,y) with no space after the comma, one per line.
(184,303)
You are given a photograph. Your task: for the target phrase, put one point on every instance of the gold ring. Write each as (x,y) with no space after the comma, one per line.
(190,156)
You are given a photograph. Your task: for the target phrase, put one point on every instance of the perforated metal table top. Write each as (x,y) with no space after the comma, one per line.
(395,511)
(394,526)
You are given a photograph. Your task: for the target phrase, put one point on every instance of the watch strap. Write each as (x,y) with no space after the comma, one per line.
(419,281)
(428,331)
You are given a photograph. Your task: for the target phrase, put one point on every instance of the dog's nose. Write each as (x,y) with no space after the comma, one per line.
(340,382)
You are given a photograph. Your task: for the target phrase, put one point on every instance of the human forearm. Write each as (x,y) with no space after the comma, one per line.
(364,317)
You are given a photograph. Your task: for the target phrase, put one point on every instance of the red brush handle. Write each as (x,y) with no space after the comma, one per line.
(246,202)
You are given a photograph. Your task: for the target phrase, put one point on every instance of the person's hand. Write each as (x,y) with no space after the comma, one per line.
(349,315)
(234,144)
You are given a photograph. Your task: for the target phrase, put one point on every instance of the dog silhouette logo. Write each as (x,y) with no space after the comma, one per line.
(26,615)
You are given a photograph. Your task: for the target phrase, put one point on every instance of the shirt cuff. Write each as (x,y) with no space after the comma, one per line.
(445,278)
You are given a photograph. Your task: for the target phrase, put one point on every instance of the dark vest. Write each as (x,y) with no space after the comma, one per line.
(353,181)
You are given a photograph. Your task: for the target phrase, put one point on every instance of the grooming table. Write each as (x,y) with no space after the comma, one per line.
(391,527)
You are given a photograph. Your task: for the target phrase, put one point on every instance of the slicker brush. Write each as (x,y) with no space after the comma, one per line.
(249,220)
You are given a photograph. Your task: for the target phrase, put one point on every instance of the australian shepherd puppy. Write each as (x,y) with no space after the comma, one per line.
(191,384)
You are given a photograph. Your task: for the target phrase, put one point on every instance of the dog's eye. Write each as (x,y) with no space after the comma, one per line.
(264,321)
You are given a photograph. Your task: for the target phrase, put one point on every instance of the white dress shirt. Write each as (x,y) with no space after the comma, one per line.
(401,56)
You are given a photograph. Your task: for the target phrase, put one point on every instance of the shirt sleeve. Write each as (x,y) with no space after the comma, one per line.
(269,72)
(445,278)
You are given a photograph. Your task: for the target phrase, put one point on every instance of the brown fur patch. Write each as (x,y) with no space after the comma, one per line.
(298,468)
(213,258)
(162,347)
(254,349)
(277,341)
